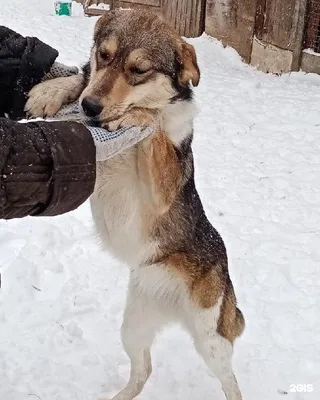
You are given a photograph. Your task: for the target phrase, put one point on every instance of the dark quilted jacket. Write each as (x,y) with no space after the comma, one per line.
(46,168)
(24,61)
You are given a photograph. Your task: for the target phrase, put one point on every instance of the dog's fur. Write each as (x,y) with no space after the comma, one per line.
(145,204)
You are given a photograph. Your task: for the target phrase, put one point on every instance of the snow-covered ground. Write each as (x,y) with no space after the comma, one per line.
(257,152)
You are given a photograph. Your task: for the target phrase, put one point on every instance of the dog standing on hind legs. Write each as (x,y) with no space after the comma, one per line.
(145,204)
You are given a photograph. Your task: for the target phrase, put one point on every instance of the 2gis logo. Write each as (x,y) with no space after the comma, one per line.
(301,388)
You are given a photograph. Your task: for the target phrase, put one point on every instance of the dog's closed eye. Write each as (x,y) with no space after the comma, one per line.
(139,70)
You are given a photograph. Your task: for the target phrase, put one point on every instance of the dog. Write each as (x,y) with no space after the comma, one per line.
(145,204)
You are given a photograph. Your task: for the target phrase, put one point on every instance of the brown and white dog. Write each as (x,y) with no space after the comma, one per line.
(145,204)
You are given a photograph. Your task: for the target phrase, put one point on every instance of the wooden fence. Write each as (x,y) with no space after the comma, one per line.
(273,35)
(187,16)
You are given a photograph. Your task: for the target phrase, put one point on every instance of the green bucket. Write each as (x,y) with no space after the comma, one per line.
(63,7)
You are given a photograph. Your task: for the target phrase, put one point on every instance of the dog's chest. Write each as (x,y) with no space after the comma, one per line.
(118,209)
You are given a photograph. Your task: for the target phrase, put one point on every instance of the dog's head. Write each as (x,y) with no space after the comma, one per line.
(137,61)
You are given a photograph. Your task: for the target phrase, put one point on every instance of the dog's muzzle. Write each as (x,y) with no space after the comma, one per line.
(91,107)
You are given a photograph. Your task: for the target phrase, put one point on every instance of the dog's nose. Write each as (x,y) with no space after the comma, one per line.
(91,106)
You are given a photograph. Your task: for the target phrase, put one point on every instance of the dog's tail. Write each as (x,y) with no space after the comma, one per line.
(239,322)
(231,322)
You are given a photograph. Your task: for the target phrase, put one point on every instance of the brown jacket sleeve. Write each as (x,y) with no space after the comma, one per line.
(46,168)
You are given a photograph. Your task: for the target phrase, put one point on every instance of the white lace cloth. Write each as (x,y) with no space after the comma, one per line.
(109,144)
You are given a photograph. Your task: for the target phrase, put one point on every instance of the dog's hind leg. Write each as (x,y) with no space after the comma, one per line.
(140,325)
(214,349)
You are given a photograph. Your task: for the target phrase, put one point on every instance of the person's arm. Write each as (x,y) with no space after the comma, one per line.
(49,168)
(46,168)
(24,62)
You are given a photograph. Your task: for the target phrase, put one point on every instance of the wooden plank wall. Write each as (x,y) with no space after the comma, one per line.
(152,5)
(232,22)
(269,33)
(187,16)
(275,22)
(313,22)
(132,3)
(281,23)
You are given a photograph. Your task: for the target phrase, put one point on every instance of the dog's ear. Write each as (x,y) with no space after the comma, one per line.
(190,70)
(103,21)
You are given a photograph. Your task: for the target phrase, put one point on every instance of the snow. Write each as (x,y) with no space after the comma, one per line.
(257,160)
(312,52)
(100,6)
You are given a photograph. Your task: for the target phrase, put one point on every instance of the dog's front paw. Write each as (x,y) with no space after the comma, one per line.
(46,98)
(135,117)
